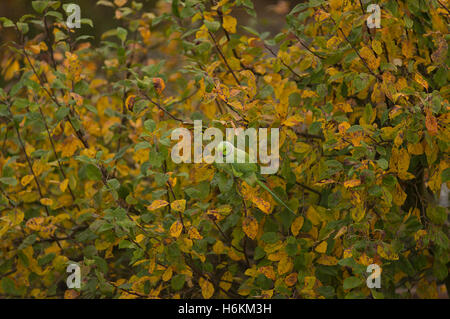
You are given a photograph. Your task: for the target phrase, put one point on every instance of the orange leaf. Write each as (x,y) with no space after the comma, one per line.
(159,85)
(291,279)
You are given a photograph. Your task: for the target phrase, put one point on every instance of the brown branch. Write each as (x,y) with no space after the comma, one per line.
(5,138)
(78,133)
(227,35)
(216,45)
(307,135)
(124,98)
(307,48)
(169,187)
(353,47)
(282,62)
(49,42)
(164,110)
(228,239)
(56,155)
(443,6)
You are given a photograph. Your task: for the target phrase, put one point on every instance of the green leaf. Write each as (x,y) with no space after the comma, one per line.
(62,113)
(175,10)
(39,6)
(269,237)
(445,175)
(438,215)
(352,282)
(9,181)
(23,27)
(93,172)
(383,163)
(177,282)
(212,26)
(122,34)
(9,287)
(87,21)
(150,125)
(6,22)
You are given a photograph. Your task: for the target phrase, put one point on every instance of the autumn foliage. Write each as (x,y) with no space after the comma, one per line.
(87,176)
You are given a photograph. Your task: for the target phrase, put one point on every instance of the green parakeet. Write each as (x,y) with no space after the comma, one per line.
(242,168)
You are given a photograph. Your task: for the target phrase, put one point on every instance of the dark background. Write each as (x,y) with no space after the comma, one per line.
(270,14)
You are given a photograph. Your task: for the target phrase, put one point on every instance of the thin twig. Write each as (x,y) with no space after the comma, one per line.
(30,165)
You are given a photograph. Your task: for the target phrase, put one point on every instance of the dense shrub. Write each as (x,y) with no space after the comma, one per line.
(87,176)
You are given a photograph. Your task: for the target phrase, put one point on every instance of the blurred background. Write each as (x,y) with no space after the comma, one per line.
(270,14)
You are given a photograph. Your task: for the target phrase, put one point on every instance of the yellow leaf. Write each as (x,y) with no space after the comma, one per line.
(35,223)
(175,229)
(301,147)
(194,234)
(376,46)
(327,260)
(285,265)
(321,15)
(297,224)
(226,281)
(309,282)
(408,49)
(261,204)
(130,101)
(386,252)
(267,271)
(63,185)
(431,123)
(370,58)
(348,253)
(229,24)
(419,79)
(11,70)
(336,4)
(157,204)
(178,205)
(250,227)
(167,274)
(415,149)
(16,217)
(207,288)
(399,162)
(26,180)
(218,247)
(313,216)
(293,120)
(46,201)
(365,260)
(357,213)
(399,196)
(71,294)
(322,247)
(140,238)
(152,265)
(333,42)
(308,93)
(352,183)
